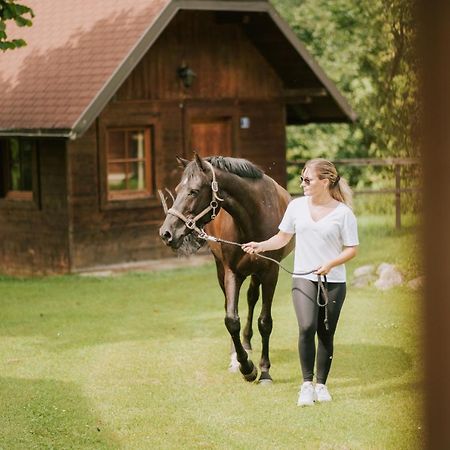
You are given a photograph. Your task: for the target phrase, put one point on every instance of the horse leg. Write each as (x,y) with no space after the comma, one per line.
(265,322)
(234,363)
(252,298)
(233,324)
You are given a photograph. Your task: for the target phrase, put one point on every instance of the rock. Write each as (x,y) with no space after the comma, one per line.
(363,280)
(389,276)
(364,270)
(384,266)
(416,283)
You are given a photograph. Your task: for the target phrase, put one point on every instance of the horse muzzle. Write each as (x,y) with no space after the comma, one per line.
(170,237)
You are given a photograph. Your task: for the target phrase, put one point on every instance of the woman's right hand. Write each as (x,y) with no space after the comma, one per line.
(252,247)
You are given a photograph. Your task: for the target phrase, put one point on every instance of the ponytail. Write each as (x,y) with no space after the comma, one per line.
(342,192)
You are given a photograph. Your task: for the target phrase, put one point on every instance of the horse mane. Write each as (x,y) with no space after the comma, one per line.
(238,166)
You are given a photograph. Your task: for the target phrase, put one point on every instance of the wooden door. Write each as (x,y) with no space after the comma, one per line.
(211,136)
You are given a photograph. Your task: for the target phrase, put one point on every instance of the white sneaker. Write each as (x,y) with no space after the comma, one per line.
(322,394)
(306,395)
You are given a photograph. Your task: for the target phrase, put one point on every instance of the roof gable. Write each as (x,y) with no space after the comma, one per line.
(79,53)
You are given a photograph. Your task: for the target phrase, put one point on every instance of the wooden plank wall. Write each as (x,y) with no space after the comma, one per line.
(34,237)
(226,63)
(231,74)
(264,142)
(113,232)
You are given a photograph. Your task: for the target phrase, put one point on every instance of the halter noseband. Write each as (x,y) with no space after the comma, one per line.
(191,223)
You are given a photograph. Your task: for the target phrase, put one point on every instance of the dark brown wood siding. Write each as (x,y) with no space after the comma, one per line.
(34,235)
(264,142)
(107,232)
(226,63)
(233,81)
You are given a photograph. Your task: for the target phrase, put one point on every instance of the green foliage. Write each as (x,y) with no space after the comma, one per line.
(366,48)
(10,10)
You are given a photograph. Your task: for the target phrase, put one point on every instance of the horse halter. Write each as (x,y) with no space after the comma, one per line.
(191,223)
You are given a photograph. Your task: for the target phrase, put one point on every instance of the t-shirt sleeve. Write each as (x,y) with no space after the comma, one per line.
(287,224)
(349,230)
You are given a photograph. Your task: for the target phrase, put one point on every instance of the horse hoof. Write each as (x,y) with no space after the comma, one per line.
(253,375)
(265,379)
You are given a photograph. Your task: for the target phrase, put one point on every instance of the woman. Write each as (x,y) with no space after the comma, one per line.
(326,238)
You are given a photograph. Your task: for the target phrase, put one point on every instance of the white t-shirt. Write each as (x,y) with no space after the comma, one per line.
(316,243)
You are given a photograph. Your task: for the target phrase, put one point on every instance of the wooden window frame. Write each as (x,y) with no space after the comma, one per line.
(131,198)
(10,197)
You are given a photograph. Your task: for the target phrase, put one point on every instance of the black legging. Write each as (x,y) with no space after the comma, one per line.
(310,318)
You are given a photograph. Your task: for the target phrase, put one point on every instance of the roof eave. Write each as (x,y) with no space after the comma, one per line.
(38,132)
(303,52)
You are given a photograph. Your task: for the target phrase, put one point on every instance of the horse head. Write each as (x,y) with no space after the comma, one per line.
(196,203)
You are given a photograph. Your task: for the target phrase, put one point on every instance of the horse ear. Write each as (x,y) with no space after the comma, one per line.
(182,162)
(199,162)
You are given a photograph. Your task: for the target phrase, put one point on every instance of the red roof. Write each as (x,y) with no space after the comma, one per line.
(73,49)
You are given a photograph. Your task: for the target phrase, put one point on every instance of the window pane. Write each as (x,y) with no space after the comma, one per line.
(116,142)
(136,145)
(117,175)
(26,161)
(20,165)
(14,164)
(136,176)
(128,159)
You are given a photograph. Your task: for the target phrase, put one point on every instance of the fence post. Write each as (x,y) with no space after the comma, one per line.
(398,211)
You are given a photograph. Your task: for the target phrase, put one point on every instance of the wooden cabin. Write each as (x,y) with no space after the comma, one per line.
(96,107)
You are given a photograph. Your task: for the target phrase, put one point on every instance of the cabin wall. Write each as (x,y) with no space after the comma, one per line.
(264,142)
(105,232)
(34,238)
(233,80)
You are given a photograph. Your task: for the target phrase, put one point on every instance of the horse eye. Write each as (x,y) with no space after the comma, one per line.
(194,192)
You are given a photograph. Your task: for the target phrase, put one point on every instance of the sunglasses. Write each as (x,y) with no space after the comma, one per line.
(305,180)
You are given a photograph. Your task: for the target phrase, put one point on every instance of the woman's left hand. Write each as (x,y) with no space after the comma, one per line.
(324,269)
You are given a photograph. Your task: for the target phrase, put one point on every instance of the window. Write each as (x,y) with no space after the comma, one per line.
(128,161)
(17,157)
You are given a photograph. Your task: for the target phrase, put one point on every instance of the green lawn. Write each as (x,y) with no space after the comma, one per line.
(139,361)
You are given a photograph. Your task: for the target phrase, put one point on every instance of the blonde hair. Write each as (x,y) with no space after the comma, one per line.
(338,187)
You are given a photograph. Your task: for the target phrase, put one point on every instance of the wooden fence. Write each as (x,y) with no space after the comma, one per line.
(395,163)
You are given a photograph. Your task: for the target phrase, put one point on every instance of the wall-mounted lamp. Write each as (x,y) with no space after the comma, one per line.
(186,75)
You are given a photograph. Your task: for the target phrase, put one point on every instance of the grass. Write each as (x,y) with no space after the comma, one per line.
(139,361)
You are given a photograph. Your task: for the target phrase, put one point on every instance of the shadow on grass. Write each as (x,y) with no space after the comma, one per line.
(48,414)
(356,364)
(399,387)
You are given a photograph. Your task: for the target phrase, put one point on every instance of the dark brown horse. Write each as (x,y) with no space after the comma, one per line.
(249,206)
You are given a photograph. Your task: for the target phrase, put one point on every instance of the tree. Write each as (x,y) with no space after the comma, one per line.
(10,10)
(366,48)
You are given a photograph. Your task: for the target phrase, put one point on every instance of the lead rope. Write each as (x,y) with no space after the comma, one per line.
(322,286)
(191,223)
